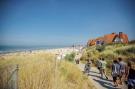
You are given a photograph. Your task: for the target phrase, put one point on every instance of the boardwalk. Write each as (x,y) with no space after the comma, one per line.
(100,83)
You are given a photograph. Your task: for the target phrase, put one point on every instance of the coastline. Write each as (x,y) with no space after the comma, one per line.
(55,51)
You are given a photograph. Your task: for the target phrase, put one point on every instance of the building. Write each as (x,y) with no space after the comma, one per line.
(109,38)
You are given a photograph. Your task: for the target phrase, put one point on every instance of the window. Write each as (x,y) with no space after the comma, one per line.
(117,39)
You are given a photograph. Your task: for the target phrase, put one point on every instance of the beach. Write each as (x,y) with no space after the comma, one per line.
(59,52)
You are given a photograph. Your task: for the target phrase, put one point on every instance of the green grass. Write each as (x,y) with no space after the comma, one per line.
(110,52)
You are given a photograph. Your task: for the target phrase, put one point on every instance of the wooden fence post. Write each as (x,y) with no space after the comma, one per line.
(17,82)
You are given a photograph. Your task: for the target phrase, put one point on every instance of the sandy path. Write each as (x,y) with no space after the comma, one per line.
(100,83)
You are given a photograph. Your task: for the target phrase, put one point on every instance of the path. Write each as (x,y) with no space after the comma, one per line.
(99,83)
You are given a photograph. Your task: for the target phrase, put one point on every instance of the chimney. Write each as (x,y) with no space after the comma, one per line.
(120,34)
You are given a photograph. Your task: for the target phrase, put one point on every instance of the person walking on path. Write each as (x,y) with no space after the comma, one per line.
(115,72)
(87,66)
(131,76)
(77,58)
(103,68)
(99,65)
(123,69)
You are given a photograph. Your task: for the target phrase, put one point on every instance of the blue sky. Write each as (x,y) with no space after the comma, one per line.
(63,22)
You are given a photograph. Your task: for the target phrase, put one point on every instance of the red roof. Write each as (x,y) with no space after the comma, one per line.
(109,38)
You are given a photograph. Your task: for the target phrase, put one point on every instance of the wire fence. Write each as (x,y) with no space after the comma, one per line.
(9,77)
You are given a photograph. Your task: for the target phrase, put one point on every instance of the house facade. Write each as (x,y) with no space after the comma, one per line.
(109,38)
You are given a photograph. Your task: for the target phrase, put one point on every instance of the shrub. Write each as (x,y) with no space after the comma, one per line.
(70,57)
(100,48)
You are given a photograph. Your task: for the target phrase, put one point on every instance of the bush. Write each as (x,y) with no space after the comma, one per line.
(70,57)
(100,48)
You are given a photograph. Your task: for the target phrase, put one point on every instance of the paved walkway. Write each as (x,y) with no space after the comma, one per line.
(100,83)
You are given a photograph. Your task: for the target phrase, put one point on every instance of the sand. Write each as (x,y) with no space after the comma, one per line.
(59,52)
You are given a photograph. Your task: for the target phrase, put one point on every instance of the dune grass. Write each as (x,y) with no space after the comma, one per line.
(41,71)
(110,52)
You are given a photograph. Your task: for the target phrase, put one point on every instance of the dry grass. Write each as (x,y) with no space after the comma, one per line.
(38,71)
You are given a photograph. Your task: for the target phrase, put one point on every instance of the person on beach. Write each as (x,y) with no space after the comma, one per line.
(99,65)
(131,76)
(115,72)
(87,66)
(123,69)
(103,68)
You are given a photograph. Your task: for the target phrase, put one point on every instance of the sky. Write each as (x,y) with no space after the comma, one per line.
(63,22)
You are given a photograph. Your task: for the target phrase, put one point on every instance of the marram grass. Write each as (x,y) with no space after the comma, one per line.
(41,71)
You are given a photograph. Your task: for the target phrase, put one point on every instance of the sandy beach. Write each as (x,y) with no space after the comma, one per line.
(60,52)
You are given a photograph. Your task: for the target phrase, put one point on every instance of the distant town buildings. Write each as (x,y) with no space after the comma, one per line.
(109,38)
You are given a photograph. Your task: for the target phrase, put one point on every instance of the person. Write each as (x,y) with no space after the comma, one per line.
(103,68)
(115,72)
(77,59)
(131,76)
(87,66)
(123,68)
(99,65)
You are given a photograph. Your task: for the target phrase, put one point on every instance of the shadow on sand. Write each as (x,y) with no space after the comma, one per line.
(94,72)
(100,77)
(105,84)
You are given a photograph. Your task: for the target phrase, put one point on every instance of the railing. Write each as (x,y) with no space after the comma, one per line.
(9,77)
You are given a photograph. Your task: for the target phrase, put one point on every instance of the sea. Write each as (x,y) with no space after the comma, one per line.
(11,49)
